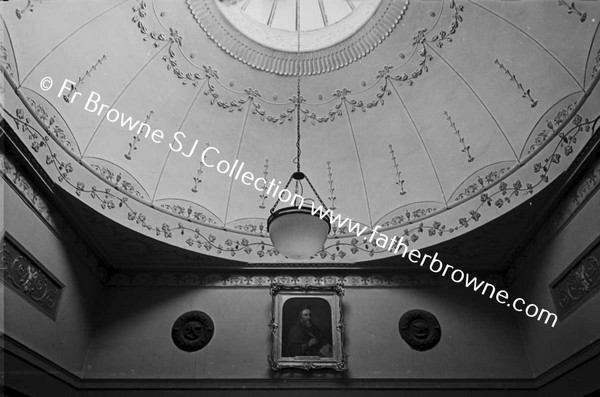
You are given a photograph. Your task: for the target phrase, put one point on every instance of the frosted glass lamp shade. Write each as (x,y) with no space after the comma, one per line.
(296,233)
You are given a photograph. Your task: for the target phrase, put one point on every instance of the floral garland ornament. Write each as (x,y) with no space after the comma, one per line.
(173,40)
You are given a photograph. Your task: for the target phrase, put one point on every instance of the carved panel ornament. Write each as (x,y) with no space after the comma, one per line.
(192,331)
(420,329)
(578,284)
(21,273)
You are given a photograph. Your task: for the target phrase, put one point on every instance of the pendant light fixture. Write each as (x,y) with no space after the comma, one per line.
(294,231)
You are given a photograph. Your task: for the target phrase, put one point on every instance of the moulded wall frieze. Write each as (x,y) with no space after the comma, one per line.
(19,182)
(20,272)
(579,283)
(252,279)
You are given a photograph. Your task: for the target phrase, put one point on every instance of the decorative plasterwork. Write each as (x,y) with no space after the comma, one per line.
(192,331)
(118,177)
(577,197)
(46,212)
(578,284)
(20,272)
(525,93)
(28,7)
(573,10)
(258,280)
(548,124)
(388,78)
(16,179)
(379,26)
(420,329)
(481,180)
(52,121)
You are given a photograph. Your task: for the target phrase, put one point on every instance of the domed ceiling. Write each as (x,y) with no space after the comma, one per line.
(428,118)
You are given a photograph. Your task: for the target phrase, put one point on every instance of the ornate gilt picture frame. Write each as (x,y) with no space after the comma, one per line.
(307,327)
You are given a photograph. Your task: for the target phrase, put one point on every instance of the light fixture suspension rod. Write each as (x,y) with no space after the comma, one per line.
(298,151)
(298,176)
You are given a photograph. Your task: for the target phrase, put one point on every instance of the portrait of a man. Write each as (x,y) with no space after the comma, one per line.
(307,328)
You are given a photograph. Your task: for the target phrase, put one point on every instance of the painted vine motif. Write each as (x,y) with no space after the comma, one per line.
(409,216)
(525,93)
(135,138)
(397,172)
(596,67)
(550,130)
(482,182)
(189,213)
(331,189)
(503,194)
(465,149)
(117,180)
(81,80)
(4,61)
(263,195)
(48,121)
(28,7)
(573,10)
(198,178)
(252,228)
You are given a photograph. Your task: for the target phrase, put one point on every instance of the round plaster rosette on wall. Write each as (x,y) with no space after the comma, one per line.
(420,329)
(192,331)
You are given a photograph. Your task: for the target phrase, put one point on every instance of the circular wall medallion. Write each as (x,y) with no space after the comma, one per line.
(420,329)
(192,331)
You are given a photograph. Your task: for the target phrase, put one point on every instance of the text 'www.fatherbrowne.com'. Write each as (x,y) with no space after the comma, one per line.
(435,265)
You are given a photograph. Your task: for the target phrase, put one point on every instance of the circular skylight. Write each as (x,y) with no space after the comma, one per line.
(275,23)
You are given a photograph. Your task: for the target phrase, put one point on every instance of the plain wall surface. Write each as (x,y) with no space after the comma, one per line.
(548,346)
(65,340)
(132,334)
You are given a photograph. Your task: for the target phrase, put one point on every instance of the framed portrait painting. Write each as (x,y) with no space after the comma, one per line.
(307,327)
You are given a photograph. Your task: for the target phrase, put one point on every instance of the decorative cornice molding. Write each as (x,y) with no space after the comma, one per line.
(28,193)
(47,213)
(251,53)
(266,280)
